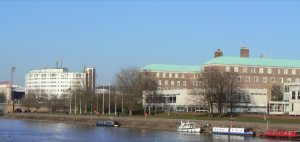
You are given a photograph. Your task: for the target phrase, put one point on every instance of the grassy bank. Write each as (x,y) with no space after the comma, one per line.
(197,117)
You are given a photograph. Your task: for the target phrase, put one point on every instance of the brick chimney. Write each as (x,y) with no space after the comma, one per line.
(245,52)
(218,53)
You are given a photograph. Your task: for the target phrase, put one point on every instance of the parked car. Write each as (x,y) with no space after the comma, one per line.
(27,110)
(18,110)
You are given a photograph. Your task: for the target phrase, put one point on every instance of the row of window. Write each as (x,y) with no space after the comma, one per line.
(172,83)
(171,88)
(294,95)
(170,75)
(54,75)
(263,70)
(265,79)
(28,86)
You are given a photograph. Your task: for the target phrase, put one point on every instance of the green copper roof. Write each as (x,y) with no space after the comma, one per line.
(175,68)
(254,62)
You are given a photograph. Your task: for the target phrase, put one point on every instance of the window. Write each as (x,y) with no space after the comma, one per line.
(227,69)
(280,80)
(269,70)
(298,95)
(158,88)
(176,75)
(293,71)
(172,83)
(166,88)
(182,75)
(159,82)
(157,74)
(285,71)
(194,75)
(170,75)
(293,94)
(261,70)
(164,74)
(239,78)
(296,79)
(193,83)
(255,79)
(264,79)
(289,80)
(277,71)
(178,83)
(184,83)
(247,78)
(236,69)
(166,82)
(252,70)
(244,69)
(272,79)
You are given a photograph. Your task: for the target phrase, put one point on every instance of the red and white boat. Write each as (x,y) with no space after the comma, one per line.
(285,134)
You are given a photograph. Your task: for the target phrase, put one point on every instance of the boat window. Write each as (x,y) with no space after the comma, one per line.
(274,132)
(290,133)
(269,132)
(280,132)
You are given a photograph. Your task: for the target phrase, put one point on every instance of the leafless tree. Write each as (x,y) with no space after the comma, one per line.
(232,88)
(2,97)
(128,79)
(276,93)
(149,86)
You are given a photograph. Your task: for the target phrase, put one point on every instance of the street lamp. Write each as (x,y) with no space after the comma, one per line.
(267,125)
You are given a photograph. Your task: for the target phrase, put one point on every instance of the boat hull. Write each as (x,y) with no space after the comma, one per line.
(193,130)
(104,123)
(235,133)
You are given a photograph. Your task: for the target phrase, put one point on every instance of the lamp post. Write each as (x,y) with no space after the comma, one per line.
(267,125)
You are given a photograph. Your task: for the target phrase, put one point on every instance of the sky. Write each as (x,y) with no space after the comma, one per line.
(110,35)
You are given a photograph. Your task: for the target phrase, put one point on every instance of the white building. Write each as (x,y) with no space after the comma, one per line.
(291,101)
(58,81)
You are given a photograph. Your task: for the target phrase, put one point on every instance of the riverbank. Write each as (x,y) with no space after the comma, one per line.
(143,123)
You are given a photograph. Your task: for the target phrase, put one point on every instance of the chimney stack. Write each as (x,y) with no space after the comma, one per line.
(218,53)
(245,52)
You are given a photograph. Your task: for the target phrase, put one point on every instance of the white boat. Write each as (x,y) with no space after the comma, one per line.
(189,127)
(233,131)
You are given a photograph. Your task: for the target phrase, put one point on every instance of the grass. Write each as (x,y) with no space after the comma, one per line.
(194,117)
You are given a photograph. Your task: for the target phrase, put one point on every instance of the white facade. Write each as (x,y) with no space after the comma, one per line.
(55,81)
(252,101)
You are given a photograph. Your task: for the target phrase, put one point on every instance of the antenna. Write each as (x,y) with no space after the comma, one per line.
(262,55)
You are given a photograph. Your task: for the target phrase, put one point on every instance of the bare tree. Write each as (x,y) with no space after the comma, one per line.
(149,86)
(232,89)
(210,87)
(276,93)
(27,101)
(128,79)
(2,97)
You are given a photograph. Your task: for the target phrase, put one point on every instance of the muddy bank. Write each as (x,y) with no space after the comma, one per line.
(142,123)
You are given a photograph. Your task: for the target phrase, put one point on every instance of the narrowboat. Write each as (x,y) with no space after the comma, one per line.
(233,131)
(275,133)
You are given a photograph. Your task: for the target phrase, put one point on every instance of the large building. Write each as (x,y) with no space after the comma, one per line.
(256,76)
(58,81)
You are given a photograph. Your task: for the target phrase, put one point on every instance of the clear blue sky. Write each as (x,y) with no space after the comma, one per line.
(109,35)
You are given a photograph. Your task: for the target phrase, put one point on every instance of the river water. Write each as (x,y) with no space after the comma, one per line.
(20,130)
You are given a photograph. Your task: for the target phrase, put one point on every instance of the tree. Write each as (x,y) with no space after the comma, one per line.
(276,93)
(2,97)
(149,86)
(128,79)
(232,89)
(209,85)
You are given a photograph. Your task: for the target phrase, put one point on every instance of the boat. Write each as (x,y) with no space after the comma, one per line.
(233,131)
(276,133)
(189,127)
(106,123)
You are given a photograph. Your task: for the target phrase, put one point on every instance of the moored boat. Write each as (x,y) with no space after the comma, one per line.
(107,123)
(189,127)
(275,133)
(233,131)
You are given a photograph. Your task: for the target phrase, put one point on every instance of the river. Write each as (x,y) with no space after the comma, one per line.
(20,130)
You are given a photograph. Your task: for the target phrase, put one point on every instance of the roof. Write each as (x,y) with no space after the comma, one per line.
(175,68)
(254,62)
